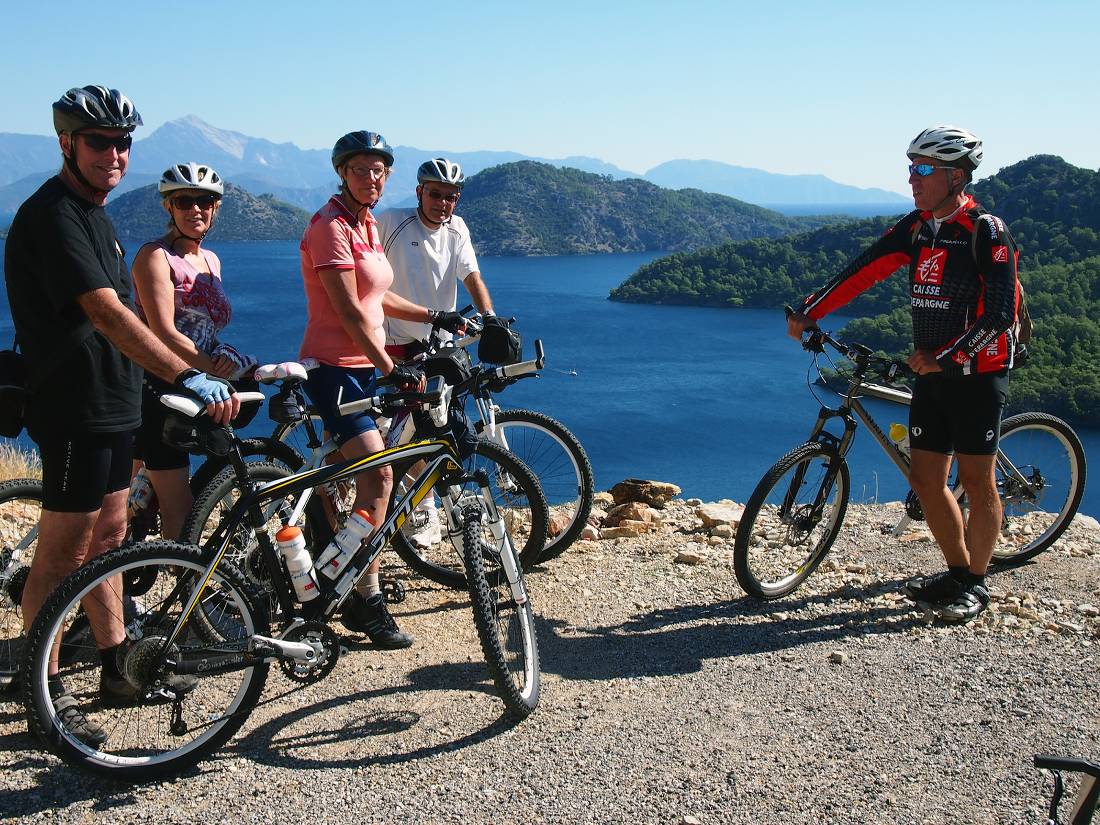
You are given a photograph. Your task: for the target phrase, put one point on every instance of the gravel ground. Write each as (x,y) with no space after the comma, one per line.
(668,697)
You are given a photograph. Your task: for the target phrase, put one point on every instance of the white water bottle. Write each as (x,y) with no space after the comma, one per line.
(346,544)
(292,545)
(141,491)
(899,434)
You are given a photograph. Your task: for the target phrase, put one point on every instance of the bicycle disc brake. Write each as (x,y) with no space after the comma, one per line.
(324,641)
(913,507)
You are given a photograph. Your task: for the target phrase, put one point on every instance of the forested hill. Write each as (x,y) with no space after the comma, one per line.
(138,215)
(529,208)
(1053,210)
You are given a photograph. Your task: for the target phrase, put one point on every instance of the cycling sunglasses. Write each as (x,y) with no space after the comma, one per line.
(436,195)
(100,143)
(185,202)
(925,169)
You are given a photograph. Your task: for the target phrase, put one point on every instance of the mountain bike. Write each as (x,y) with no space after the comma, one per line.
(544,444)
(1088,793)
(797,509)
(515,490)
(193,612)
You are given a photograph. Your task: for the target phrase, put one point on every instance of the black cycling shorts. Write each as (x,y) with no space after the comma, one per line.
(78,471)
(149,443)
(957,413)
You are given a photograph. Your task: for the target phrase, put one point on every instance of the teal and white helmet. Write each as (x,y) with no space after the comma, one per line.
(951,144)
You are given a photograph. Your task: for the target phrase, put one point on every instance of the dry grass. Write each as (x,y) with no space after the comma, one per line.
(18,462)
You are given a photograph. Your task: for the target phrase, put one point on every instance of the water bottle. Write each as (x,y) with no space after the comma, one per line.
(292,545)
(141,492)
(899,434)
(346,544)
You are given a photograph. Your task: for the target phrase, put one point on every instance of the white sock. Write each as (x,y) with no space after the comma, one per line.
(368,585)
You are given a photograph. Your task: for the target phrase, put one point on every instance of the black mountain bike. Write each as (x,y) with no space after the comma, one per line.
(192,611)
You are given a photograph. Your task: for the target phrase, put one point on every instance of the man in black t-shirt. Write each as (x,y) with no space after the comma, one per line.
(70,298)
(963,295)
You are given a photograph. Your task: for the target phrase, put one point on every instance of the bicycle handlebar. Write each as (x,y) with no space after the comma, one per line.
(394,400)
(186,405)
(815,339)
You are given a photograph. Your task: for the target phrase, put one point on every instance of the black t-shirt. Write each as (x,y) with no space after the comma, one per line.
(58,248)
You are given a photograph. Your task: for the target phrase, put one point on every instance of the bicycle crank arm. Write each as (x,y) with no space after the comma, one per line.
(259,648)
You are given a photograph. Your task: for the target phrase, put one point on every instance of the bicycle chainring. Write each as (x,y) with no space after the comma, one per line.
(324,641)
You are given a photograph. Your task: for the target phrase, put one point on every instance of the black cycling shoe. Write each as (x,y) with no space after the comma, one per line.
(967,606)
(370,616)
(941,589)
(76,723)
(119,693)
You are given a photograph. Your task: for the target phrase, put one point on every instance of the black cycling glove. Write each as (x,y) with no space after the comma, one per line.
(405,377)
(444,319)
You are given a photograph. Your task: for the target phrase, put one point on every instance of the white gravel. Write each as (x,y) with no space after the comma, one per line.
(668,698)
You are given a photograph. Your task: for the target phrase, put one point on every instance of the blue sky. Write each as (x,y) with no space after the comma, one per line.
(838,88)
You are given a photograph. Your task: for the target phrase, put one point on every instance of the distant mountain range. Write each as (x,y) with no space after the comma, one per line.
(304,177)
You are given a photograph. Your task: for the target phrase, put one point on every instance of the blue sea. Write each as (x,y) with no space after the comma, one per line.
(705,398)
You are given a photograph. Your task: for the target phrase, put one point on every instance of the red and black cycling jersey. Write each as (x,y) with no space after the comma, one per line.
(962,286)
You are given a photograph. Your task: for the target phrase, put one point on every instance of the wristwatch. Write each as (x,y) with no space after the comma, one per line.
(190,372)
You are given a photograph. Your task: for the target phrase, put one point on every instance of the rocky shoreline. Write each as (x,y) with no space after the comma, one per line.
(668,697)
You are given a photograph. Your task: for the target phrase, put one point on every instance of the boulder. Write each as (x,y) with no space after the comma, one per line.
(655,493)
(602,500)
(621,532)
(720,512)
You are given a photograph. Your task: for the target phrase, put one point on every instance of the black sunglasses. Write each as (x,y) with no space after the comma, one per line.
(436,195)
(186,202)
(101,143)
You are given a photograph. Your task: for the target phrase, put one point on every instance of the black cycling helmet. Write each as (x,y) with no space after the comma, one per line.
(360,143)
(441,170)
(94,106)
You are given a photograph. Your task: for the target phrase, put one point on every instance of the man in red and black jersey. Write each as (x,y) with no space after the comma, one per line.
(963,293)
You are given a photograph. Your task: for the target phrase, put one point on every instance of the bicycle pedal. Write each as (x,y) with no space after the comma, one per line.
(393,591)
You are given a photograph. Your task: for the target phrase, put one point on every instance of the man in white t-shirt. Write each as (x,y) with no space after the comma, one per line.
(430,250)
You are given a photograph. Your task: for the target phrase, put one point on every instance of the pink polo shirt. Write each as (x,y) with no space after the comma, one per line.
(335,240)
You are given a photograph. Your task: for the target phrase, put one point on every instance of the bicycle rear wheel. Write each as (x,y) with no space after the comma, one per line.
(519,502)
(1040,478)
(159,732)
(20,509)
(562,468)
(790,521)
(505,624)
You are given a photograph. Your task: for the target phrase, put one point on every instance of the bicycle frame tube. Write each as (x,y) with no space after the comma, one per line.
(440,456)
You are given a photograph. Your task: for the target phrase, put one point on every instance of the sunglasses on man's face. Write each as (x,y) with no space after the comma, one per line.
(436,195)
(925,169)
(186,202)
(101,143)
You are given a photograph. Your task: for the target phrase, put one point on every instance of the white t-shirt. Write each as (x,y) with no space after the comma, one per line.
(427,265)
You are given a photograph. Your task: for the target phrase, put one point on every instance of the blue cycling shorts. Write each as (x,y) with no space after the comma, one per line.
(323,385)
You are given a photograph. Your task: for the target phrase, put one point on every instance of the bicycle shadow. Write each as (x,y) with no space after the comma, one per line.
(677,640)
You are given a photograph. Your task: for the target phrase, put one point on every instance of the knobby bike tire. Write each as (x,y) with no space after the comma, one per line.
(562,468)
(142,741)
(780,540)
(1050,455)
(20,510)
(518,498)
(505,628)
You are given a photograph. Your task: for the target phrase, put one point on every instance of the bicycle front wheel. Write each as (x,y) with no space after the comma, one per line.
(1040,478)
(20,509)
(790,521)
(158,723)
(562,467)
(520,506)
(505,624)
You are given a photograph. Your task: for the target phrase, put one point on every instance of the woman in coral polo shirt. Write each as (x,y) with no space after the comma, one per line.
(346,279)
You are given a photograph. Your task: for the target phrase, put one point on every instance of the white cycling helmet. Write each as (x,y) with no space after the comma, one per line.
(441,170)
(191,175)
(950,144)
